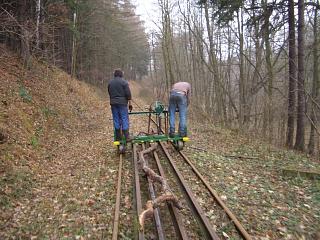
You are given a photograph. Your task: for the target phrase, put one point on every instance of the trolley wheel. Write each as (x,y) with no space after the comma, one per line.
(179,145)
(122,149)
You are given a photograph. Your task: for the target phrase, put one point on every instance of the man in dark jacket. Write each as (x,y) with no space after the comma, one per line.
(120,98)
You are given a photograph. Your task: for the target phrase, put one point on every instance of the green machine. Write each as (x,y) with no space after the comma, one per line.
(158,116)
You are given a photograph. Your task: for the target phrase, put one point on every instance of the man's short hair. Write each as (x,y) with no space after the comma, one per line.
(118,73)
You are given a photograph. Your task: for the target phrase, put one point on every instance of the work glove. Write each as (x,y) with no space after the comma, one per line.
(130,108)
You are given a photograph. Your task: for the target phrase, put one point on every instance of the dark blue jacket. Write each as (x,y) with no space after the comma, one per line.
(119,91)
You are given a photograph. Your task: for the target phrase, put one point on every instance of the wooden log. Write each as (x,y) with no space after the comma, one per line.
(167,194)
(151,205)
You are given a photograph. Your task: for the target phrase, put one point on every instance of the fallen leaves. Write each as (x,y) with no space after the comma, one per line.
(90,202)
(270,206)
(65,187)
(65,183)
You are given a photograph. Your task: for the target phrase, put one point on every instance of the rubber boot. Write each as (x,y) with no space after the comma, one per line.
(183,133)
(118,135)
(171,134)
(126,135)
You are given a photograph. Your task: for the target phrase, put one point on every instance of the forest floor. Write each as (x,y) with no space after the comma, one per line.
(58,168)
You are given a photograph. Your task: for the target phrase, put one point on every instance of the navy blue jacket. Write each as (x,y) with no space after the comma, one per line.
(119,91)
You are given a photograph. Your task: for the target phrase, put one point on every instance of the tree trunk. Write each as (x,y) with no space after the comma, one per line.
(268,110)
(292,76)
(38,13)
(315,86)
(74,46)
(166,43)
(242,82)
(24,33)
(299,145)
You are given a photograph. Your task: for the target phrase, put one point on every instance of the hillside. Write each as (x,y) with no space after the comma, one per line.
(58,167)
(54,152)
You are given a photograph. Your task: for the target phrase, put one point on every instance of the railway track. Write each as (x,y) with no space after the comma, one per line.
(202,214)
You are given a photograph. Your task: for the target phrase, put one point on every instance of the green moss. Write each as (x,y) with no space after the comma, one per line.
(47,112)
(24,94)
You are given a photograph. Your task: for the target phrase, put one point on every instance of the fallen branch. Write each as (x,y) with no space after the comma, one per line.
(151,205)
(166,195)
(239,156)
(198,148)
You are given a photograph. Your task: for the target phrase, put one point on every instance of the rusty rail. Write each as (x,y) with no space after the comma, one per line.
(156,212)
(175,215)
(137,188)
(215,195)
(206,227)
(117,208)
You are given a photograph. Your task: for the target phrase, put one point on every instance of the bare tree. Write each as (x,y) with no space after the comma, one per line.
(292,75)
(314,132)
(299,145)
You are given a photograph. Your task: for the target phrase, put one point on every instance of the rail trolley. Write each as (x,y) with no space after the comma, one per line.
(157,114)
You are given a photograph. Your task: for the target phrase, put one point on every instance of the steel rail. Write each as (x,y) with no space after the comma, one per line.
(176,217)
(137,188)
(156,212)
(214,194)
(117,208)
(196,208)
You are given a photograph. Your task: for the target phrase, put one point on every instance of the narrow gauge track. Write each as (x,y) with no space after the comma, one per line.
(203,211)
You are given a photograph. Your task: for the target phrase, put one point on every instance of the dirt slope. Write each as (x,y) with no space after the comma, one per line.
(58,167)
(56,155)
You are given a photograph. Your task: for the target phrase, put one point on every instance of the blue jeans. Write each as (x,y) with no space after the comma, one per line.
(120,117)
(178,101)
